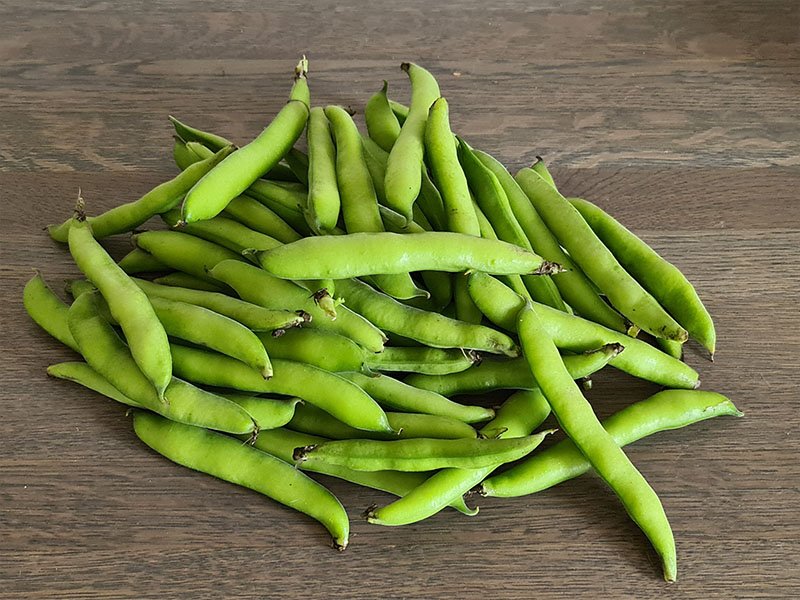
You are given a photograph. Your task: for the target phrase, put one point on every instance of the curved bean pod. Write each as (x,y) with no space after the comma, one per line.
(670,409)
(130,215)
(184,252)
(282,442)
(576,417)
(230,460)
(268,413)
(404,165)
(259,287)
(47,310)
(382,125)
(398,395)
(333,394)
(569,332)
(431,361)
(576,289)
(427,327)
(660,278)
(440,148)
(128,304)
(239,170)
(252,213)
(519,415)
(510,374)
(81,373)
(254,317)
(108,355)
(324,203)
(312,420)
(357,254)
(594,259)
(225,232)
(421,454)
(324,349)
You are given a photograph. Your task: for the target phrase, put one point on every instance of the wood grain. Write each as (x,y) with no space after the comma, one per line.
(680,119)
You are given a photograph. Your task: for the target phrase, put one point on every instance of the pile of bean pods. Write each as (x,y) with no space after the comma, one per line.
(318,311)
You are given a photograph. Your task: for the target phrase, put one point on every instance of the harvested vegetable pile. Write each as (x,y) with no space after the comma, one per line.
(325,307)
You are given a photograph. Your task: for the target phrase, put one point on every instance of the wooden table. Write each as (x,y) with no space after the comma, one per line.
(681,118)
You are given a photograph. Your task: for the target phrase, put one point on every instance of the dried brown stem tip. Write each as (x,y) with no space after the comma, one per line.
(301,70)
(80,208)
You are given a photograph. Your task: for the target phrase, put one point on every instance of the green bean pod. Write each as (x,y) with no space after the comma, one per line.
(81,373)
(420,454)
(47,310)
(427,327)
(493,202)
(404,166)
(670,409)
(599,264)
(576,289)
(519,415)
(253,214)
(286,199)
(440,147)
(660,278)
(130,215)
(184,252)
(312,420)
(239,170)
(282,442)
(225,232)
(511,374)
(259,287)
(324,203)
(252,316)
(128,304)
(268,413)
(333,394)
(212,330)
(108,355)
(576,417)
(230,460)
(139,260)
(432,361)
(358,254)
(398,395)
(382,125)
(317,347)
(570,332)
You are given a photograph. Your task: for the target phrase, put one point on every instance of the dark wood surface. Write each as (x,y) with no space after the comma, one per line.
(681,118)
